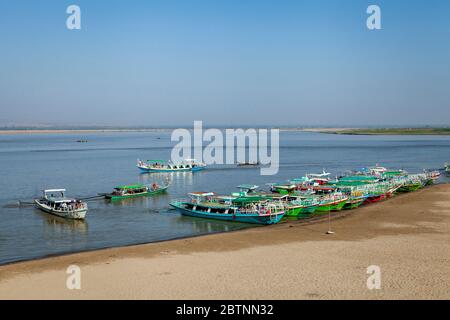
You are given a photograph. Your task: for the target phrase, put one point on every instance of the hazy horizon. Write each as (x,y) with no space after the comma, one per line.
(228,63)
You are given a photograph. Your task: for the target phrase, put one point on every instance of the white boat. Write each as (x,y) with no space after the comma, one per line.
(55,202)
(318,178)
(167,166)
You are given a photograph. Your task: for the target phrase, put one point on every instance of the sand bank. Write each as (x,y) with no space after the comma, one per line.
(408,237)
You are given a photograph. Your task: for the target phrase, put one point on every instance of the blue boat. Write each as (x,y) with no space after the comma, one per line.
(208,205)
(167,166)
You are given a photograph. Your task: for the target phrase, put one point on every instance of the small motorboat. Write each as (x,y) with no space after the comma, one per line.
(55,202)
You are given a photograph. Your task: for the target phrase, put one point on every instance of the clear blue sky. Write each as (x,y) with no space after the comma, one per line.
(166,62)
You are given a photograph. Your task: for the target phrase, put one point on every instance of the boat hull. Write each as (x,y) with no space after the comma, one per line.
(353,204)
(239,217)
(150,170)
(409,187)
(333,206)
(375,198)
(293,211)
(68,214)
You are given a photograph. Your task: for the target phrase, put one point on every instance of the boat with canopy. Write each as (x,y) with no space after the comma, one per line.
(54,201)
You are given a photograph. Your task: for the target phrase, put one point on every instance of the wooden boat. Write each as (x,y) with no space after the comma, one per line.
(410,186)
(283,188)
(55,202)
(207,205)
(301,207)
(167,166)
(331,203)
(135,190)
(373,198)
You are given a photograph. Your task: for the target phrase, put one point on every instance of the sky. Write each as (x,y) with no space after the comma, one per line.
(252,62)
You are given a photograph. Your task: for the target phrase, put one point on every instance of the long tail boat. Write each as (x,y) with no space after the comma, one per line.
(167,166)
(206,205)
(135,190)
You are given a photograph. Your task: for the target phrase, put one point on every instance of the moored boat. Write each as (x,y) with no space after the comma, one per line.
(283,188)
(207,205)
(55,202)
(332,202)
(135,190)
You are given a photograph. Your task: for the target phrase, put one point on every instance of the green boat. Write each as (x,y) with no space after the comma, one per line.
(135,190)
(284,188)
(354,202)
(409,187)
(302,207)
(293,210)
(331,204)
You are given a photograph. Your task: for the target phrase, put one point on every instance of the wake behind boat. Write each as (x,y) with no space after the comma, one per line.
(55,202)
(168,166)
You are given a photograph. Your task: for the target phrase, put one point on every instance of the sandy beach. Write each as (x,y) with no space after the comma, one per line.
(408,237)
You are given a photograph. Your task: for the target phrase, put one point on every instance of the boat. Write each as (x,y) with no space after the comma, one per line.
(249,164)
(332,202)
(318,178)
(410,186)
(301,207)
(283,188)
(208,205)
(135,190)
(447,169)
(55,202)
(168,166)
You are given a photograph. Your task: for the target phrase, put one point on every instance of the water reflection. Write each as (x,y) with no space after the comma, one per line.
(178,178)
(207,226)
(54,224)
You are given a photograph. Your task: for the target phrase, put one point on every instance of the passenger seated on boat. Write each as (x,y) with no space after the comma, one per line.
(155,187)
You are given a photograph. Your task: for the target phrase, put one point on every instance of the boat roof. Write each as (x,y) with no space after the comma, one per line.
(319,175)
(302,179)
(156,160)
(130,187)
(201,194)
(54,190)
(247,186)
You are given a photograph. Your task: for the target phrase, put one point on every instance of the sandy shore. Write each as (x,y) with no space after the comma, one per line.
(408,237)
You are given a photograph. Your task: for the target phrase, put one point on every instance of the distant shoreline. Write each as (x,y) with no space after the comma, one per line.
(385,131)
(336,130)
